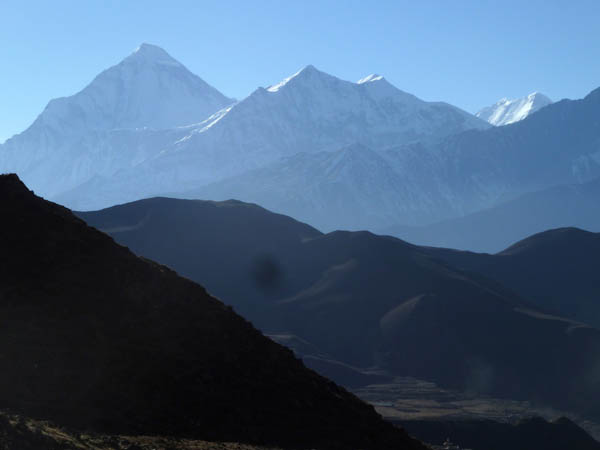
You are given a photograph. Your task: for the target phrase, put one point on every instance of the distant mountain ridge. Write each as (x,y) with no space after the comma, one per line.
(507,111)
(555,270)
(368,301)
(357,155)
(308,112)
(494,229)
(482,168)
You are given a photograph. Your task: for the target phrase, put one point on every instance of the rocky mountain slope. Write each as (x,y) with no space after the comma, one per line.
(454,181)
(354,188)
(94,337)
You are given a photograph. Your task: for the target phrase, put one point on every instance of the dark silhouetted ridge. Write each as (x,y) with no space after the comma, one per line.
(552,240)
(92,336)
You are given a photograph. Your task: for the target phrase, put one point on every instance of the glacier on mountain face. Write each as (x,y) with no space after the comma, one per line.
(507,111)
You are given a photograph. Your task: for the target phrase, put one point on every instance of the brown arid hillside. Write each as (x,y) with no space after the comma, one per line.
(95,338)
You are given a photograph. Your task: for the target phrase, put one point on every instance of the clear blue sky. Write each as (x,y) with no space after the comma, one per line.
(468,53)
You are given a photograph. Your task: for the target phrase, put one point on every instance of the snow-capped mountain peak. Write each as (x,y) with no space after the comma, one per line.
(308,74)
(147,89)
(153,54)
(112,123)
(148,126)
(507,111)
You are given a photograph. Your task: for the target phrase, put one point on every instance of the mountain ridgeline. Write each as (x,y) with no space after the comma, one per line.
(332,153)
(494,229)
(556,270)
(148,126)
(307,113)
(371,301)
(94,337)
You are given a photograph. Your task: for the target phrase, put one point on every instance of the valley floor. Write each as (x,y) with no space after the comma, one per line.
(408,398)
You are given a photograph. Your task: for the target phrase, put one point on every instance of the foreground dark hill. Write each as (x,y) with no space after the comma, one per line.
(368,300)
(558,270)
(92,336)
(494,229)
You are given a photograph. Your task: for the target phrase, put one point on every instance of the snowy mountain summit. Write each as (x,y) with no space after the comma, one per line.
(121,118)
(148,126)
(507,111)
(147,89)
(308,112)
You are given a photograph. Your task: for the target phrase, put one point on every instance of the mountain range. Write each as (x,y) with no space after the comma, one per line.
(541,164)
(98,339)
(125,136)
(333,153)
(506,111)
(494,229)
(357,300)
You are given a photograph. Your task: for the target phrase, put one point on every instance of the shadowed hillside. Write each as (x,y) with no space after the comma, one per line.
(94,337)
(367,300)
(557,270)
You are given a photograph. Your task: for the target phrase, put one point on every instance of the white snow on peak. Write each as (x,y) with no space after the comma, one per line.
(148,88)
(370,78)
(152,54)
(507,111)
(125,115)
(148,126)
(305,70)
